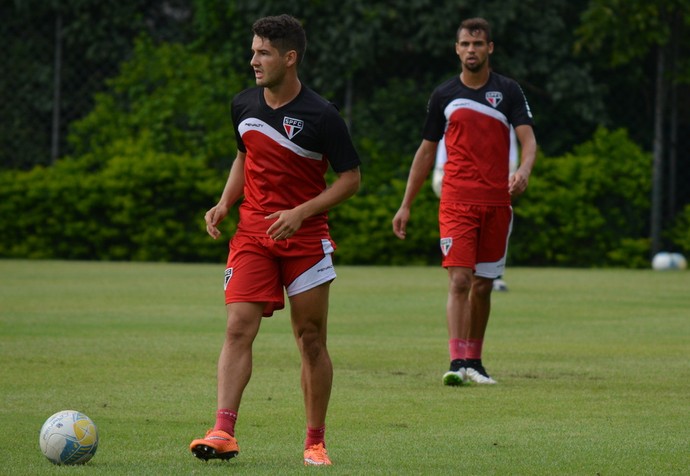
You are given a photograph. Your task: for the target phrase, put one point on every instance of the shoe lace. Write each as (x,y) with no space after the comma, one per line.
(216,435)
(317,452)
(478,367)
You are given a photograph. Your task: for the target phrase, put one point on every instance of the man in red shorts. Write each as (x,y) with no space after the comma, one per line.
(287,136)
(473,113)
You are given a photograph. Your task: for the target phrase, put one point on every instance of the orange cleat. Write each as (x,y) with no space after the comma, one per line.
(316,455)
(217,444)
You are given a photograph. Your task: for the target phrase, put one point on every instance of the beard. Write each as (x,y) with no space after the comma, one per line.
(473,68)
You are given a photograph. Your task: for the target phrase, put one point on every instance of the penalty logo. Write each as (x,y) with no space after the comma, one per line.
(292,126)
(228,275)
(494,98)
(446,245)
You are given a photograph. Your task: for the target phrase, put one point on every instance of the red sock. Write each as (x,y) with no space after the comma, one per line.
(474,348)
(456,348)
(459,349)
(315,436)
(225,421)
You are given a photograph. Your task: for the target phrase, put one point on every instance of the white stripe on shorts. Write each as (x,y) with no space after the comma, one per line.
(497,268)
(321,272)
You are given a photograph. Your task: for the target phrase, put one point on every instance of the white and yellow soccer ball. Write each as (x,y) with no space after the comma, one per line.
(68,437)
(664,260)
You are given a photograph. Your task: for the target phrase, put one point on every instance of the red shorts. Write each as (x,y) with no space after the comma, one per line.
(475,236)
(259,268)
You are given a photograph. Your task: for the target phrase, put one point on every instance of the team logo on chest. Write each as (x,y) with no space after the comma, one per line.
(494,98)
(292,126)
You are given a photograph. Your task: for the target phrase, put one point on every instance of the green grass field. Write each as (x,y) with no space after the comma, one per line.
(593,369)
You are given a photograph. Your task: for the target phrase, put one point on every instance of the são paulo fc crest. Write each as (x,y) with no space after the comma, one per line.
(446,244)
(494,98)
(292,126)
(228,275)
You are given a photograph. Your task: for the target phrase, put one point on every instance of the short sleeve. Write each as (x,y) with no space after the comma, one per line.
(435,124)
(337,142)
(235,114)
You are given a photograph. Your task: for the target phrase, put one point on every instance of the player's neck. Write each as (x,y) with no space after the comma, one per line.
(475,80)
(283,93)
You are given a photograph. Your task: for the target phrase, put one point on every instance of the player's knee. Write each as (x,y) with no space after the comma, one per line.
(311,343)
(235,335)
(239,331)
(482,287)
(460,284)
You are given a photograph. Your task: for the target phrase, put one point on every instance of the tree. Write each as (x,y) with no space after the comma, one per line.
(360,47)
(57,55)
(628,32)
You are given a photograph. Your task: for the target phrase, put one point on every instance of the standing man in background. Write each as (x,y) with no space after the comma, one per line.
(287,136)
(473,113)
(437,181)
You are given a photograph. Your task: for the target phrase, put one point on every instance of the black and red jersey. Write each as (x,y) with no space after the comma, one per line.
(476,126)
(288,151)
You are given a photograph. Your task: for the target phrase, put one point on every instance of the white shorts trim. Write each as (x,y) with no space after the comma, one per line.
(322,272)
(497,268)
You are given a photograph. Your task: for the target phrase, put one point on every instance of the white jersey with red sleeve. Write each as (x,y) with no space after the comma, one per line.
(475,125)
(288,151)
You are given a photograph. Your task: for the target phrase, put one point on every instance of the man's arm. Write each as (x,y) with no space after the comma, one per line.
(423,161)
(517,183)
(232,192)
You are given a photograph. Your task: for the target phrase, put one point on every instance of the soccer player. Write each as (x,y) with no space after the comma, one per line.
(473,113)
(287,136)
(437,182)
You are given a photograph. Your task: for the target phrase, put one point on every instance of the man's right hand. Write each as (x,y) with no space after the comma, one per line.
(213,217)
(400,222)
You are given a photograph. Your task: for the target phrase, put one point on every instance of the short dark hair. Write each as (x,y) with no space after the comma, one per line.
(473,25)
(284,32)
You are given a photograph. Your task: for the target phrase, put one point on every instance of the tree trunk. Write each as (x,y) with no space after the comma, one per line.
(657,168)
(55,139)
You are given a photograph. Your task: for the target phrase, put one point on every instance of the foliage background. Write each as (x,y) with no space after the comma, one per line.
(144,139)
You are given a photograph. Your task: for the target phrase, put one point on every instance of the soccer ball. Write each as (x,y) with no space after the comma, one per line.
(437,181)
(500,285)
(664,261)
(68,437)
